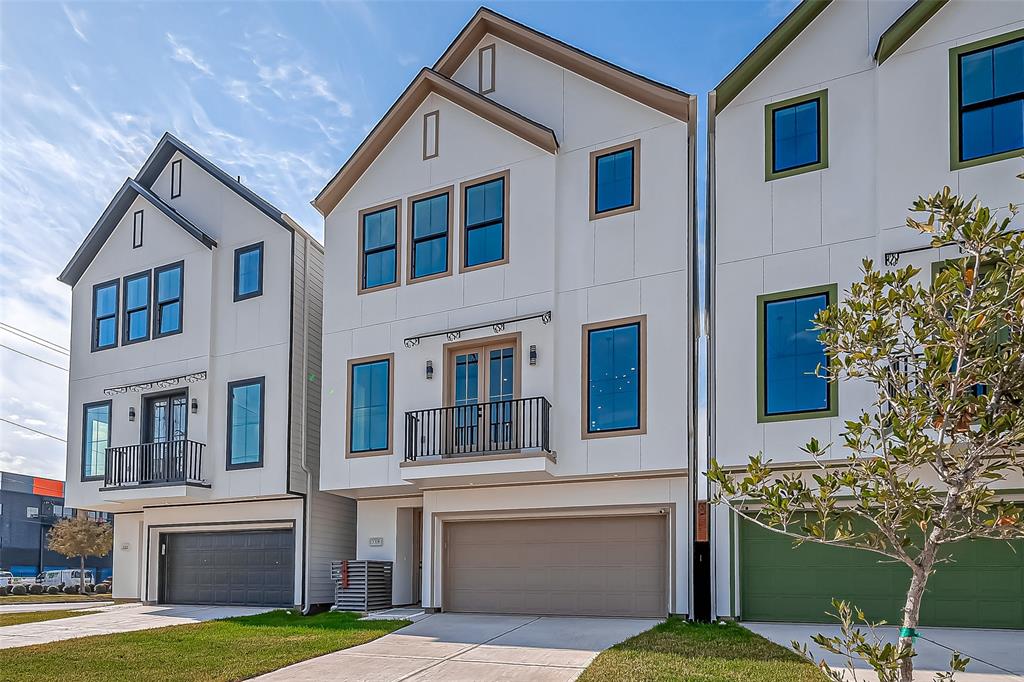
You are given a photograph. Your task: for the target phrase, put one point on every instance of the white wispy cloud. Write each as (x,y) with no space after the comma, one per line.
(291,81)
(184,54)
(78,20)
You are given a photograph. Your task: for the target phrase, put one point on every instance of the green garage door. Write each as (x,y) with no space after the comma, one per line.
(983,588)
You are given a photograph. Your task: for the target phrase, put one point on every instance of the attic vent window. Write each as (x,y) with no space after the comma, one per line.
(431,128)
(137,230)
(485,63)
(176,179)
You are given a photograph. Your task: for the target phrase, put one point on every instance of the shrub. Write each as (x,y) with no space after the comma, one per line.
(19,590)
(71,589)
(35,588)
(3,590)
(102,588)
(52,589)
(89,589)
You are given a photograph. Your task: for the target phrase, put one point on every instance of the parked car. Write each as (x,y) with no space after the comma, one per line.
(67,576)
(6,579)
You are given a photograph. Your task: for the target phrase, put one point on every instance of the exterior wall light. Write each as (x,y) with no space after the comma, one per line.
(430,369)
(195,405)
(131,414)
(533,354)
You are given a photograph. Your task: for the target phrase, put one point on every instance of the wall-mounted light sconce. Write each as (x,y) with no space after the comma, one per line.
(195,405)
(430,369)
(131,414)
(533,354)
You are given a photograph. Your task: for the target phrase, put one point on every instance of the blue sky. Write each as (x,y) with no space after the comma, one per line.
(278,93)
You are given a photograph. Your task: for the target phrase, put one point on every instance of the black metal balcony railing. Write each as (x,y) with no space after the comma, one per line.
(176,461)
(479,429)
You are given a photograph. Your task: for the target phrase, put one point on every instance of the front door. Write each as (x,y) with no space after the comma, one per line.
(483,386)
(163,434)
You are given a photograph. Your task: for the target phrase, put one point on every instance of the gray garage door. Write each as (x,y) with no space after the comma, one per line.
(238,568)
(609,566)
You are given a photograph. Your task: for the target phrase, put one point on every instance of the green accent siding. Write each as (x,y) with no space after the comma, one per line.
(769,135)
(907,25)
(983,587)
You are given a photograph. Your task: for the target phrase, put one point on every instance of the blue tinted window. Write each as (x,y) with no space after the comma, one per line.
(168,300)
(614,181)
(430,236)
(796,136)
(246,411)
(485,222)
(249,271)
(792,353)
(369,406)
(136,308)
(95,439)
(380,251)
(105,316)
(613,378)
(992,101)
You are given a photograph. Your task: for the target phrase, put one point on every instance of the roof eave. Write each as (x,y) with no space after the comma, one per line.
(906,26)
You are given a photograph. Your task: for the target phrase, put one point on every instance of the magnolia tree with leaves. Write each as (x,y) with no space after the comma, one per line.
(944,354)
(81,537)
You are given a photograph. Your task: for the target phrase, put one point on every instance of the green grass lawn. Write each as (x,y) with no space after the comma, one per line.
(38,616)
(230,649)
(678,650)
(52,598)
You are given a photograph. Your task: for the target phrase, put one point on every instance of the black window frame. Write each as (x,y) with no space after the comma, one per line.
(353,364)
(110,424)
(175,173)
(640,323)
(262,383)
(239,252)
(125,313)
(137,225)
(468,228)
(770,109)
(116,283)
(415,241)
(158,305)
(395,246)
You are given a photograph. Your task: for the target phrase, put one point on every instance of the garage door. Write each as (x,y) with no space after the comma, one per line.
(608,566)
(250,568)
(983,588)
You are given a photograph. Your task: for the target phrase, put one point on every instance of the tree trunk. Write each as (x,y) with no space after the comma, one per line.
(911,615)
(81,575)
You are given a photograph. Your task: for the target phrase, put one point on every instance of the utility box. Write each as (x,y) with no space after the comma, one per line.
(361,586)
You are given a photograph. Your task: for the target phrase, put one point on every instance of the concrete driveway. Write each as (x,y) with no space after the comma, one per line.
(472,648)
(986,649)
(111,619)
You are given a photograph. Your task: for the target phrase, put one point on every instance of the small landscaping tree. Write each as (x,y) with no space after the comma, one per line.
(946,361)
(81,537)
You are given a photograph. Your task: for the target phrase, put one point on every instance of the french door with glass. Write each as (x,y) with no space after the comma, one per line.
(483,386)
(164,430)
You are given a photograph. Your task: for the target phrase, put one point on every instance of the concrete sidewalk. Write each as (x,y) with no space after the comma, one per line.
(472,648)
(54,606)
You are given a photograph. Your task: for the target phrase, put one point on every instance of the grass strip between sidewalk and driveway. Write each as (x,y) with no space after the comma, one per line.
(21,617)
(678,650)
(229,649)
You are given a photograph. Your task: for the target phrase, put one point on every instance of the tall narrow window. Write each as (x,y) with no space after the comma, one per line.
(104,315)
(431,131)
(615,180)
(615,378)
(167,299)
(429,221)
(369,400)
(95,439)
(176,179)
(988,89)
(485,65)
(245,424)
(789,355)
(484,228)
(796,135)
(136,308)
(378,247)
(248,271)
(137,229)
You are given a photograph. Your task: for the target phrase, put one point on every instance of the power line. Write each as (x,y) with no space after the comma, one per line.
(15,350)
(29,428)
(29,336)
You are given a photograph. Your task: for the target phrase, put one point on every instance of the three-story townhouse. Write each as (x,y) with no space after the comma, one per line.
(508,383)
(819,141)
(195,391)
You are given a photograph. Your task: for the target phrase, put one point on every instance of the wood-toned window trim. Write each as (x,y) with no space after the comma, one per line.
(594,156)
(585,432)
(176,178)
(463,244)
(480,68)
(137,218)
(116,283)
(769,135)
(397,205)
(410,239)
(431,119)
(125,318)
(262,383)
(514,339)
(352,363)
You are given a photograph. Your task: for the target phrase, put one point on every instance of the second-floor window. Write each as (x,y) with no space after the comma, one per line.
(789,355)
(95,439)
(796,135)
(614,400)
(484,228)
(167,299)
(378,248)
(428,248)
(136,308)
(615,180)
(104,314)
(245,424)
(989,92)
(248,271)
(369,418)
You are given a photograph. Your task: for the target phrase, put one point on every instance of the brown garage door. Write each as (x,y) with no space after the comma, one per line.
(607,566)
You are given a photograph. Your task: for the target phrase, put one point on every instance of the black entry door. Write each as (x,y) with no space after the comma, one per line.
(237,568)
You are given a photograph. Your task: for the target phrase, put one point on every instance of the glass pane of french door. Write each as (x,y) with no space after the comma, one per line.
(500,392)
(466,397)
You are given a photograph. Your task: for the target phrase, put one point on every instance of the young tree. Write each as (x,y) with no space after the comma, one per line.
(946,361)
(81,537)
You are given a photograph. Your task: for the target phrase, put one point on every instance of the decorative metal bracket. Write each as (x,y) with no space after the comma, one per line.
(496,326)
(158,383)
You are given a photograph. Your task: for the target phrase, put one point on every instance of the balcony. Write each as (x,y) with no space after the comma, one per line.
(171,469)
(482,442)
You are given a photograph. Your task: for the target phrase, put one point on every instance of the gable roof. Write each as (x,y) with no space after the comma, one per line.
(906,26)
(426,82)
(113,213)
(767,50)
(664,98)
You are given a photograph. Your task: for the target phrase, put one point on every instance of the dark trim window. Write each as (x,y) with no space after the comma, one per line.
(484,218)
(176,179)
(378,247)
(137,229)
(95,439)
(429,230)
(614,378)
(136,308)
(245,423)
(789,355)
(167,304)
(371,390)
(796,135)
(615,180)
(248,271)
(987,100)
(104,315)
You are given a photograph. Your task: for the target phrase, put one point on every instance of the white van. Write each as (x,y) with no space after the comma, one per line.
(67,576)
(6,579)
